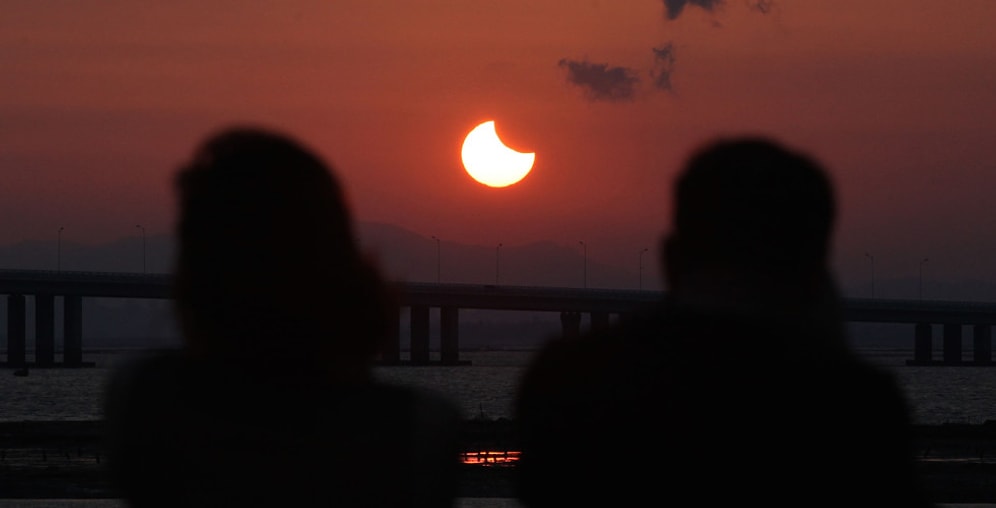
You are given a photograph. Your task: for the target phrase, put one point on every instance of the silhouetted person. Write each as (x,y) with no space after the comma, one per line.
(739,388)
(271,401)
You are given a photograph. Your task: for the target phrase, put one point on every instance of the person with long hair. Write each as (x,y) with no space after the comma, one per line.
(272,398)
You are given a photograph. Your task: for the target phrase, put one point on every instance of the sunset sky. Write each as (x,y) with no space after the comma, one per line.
(99,102)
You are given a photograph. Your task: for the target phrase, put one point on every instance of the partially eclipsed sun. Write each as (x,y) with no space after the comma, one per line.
(489,161)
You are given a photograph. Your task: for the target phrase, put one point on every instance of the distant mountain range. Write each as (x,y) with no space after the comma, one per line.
(405,255)
(401,253)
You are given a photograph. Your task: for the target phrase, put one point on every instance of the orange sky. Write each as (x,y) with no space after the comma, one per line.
(99,102)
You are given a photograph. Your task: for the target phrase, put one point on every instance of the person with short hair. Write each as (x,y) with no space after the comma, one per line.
(739,387)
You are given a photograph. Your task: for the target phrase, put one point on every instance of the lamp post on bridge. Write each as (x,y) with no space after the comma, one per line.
(924,260)
(497,253)
(641,268)
(585,247)
(58,251)
(438,262)
(139,226)
(872,259)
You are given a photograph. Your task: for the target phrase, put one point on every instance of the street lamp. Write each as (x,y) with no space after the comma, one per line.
(924,260)
(585,247)
(438,262)
(497,251)
(58,251)
(641,267)
(872,259)
(139,226)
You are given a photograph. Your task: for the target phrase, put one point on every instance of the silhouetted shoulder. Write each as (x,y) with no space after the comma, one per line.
(679,395)
(273,400)
(223,437)
(740,388)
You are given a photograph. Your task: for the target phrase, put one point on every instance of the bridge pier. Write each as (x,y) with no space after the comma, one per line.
(923,344)
(449,335)
(952,353)
(16,331)
(44,330)
(982,344)
(419,328)
(599,320)
(72,337)
(952,344)
(44,318)
(570,324)
(391,353)
(419,320)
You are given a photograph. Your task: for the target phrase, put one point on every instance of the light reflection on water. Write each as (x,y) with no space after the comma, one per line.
(491,457)
(938,394)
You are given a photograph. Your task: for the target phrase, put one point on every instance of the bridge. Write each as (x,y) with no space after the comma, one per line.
(599,304)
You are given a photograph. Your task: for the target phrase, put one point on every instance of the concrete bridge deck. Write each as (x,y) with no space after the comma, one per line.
(419,297)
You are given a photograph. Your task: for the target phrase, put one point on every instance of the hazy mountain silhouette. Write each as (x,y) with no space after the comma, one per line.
(408,256)
(403,254)
(121,255)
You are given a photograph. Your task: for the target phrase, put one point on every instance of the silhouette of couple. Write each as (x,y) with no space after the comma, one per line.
(739,387)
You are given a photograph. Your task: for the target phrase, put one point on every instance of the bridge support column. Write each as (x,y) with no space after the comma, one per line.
(570,324)
(982,344)
(72,338)
(45,330)
(599,320)
(391,352)
(923,344)
(420,334)
(952,344)
(16,331)
(449,338)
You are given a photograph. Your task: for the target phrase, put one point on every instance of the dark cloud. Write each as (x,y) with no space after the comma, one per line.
(762,6)
(601,82)
(673,8)
(663,66)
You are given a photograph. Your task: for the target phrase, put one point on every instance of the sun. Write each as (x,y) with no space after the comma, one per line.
(489,161)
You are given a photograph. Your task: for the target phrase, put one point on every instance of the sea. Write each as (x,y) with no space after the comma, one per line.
(483,387)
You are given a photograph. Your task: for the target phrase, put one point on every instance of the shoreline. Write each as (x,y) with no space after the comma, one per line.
(63,460)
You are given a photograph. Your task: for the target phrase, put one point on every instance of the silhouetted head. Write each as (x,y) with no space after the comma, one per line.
(269,271)
(750,217)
